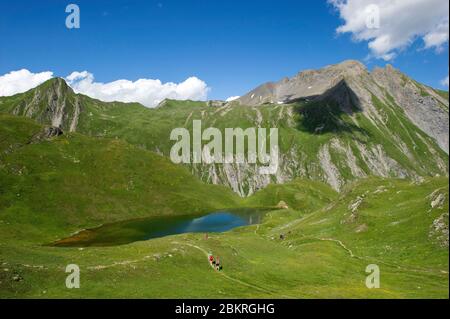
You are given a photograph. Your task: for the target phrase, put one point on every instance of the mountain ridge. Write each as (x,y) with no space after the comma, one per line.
(383,82)
(341,133)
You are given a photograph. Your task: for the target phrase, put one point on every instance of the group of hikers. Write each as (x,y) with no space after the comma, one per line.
(215,262)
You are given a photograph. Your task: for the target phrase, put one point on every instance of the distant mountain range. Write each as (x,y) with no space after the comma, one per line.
(336,124)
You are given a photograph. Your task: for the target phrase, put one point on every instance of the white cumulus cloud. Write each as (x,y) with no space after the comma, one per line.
(401,22)
(21,81)
(444,82)
(148,92)
(232,98)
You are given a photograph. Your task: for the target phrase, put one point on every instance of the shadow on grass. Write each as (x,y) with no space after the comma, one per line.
(330,112)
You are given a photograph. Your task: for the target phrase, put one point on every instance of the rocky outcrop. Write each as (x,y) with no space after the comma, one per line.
(282,205)
(439,231)
(53,103)
(47,133)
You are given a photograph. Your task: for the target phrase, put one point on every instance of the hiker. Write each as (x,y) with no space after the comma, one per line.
(211,260)
(218,267)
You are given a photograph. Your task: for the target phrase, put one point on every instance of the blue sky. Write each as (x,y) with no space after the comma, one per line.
(231,45)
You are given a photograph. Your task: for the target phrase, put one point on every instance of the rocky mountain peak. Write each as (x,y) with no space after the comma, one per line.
(53,103)
(349,67)
(350,81)
(58,86)
(306,84)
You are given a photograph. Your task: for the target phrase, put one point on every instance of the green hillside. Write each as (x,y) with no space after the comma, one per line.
(318,140)
(74,181)
(51,188)
(356,186)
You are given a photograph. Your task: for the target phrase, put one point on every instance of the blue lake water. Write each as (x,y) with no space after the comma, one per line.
(148,228)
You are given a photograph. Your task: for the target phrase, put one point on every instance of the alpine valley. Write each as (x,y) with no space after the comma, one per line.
(362,179)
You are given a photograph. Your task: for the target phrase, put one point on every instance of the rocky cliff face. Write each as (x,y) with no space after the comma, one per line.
(423,106)
(380,123)
(54,103)
(338,157)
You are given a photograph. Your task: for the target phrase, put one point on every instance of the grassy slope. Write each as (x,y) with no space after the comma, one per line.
(150,129)
(392,222)
(40,202)
(301,195)
(50,189)
(308,263)
(75,181)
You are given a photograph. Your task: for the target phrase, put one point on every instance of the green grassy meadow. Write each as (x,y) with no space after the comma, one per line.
(115,167)
(50,189)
